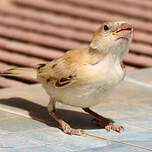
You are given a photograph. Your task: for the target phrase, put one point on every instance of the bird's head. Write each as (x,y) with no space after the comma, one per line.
(114,38)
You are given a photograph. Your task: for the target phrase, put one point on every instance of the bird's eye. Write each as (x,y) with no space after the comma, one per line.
(106,27)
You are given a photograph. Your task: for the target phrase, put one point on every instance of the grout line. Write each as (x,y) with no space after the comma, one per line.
(15,112)
(8,118)
(102,138)
(138,82)
(20,114)
(119,142)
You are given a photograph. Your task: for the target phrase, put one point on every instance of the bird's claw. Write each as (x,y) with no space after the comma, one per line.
(113,127)
(108,125)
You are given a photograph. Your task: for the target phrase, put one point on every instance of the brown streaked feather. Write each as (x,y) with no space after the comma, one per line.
(65,81)
(41,65)
(69,68)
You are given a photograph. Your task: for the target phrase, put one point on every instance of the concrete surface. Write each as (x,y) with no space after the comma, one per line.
(25,125)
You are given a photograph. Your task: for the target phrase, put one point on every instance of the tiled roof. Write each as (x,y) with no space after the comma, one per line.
(34,32)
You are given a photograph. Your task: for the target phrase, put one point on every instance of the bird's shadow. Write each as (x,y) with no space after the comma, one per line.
(38,112)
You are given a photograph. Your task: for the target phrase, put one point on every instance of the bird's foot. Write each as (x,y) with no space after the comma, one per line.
(113,127)
(108,125)
(68,130)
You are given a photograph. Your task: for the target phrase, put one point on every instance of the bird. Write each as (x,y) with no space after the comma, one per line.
(85,77)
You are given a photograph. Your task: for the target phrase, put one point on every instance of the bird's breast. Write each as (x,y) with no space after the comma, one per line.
(92,90)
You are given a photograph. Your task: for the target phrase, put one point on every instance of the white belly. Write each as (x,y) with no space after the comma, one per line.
(83,95)
(90,94)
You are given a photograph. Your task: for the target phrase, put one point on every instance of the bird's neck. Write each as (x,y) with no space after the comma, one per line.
(99,55)
(95,55)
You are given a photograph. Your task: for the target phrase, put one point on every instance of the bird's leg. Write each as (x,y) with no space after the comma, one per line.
(104,122)
(62,124)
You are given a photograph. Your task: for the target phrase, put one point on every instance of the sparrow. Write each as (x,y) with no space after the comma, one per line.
(85,77)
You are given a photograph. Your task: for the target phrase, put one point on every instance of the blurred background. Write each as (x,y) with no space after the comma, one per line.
(36,31)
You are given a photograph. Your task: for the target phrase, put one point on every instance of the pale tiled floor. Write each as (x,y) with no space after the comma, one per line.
(32,130)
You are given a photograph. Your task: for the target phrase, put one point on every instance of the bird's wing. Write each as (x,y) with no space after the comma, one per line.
(63,71)
(70,68)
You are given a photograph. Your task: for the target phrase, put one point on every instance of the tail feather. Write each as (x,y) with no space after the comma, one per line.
(20,72)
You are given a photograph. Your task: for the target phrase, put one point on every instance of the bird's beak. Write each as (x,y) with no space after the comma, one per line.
(123,27)
(123,31)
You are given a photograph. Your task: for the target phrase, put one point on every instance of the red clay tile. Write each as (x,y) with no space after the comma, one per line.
(37,32)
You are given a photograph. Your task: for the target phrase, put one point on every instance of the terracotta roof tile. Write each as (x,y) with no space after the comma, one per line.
(35,33)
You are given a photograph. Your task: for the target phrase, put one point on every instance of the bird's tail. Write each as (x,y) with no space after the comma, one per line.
(21,72)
